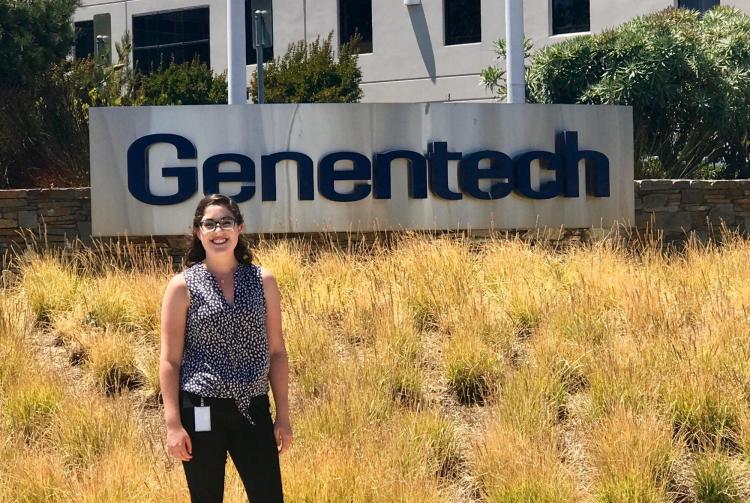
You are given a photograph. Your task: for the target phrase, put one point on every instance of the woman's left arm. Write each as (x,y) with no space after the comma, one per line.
(279,372)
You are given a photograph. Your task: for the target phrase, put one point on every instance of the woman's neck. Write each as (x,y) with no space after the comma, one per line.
(221,264)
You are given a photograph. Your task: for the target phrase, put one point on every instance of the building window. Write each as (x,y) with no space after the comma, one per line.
(699,5)
(84,47)
(251,6)
(355,18)
(463,21)
(167,37)
(570,16)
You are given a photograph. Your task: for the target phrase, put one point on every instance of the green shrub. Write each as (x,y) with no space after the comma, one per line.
(686,75)
(44,131)
(308,73)
(44,136)
(192,83)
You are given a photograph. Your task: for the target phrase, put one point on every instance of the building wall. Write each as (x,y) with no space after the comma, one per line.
(409,62)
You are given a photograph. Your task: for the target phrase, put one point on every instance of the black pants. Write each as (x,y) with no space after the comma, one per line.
(252,448)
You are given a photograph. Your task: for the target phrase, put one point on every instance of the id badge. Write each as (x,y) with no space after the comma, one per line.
(202,417)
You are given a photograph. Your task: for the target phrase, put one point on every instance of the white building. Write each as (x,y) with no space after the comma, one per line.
(430,51)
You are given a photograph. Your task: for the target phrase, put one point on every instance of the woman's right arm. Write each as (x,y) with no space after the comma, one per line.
(173,318)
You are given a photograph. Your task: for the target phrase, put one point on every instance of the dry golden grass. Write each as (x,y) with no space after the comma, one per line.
(433,370)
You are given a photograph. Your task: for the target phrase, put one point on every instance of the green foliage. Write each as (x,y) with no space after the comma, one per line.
(493,77)
(308,73)
(112,86)
(44,137)
(33,35)
(44,131)
(190,83)
(686,75)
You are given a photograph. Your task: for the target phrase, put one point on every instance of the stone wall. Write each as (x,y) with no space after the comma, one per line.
(25,214)
(675,207)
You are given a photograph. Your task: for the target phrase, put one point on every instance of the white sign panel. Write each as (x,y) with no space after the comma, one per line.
(360,167)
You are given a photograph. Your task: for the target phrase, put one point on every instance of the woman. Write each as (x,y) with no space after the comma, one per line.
(221,343)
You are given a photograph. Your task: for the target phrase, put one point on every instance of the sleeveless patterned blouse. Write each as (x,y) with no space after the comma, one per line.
(226,348)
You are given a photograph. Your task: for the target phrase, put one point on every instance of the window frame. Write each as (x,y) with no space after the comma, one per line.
(339,30)
(76,25)
(677,6)
(551,6)
(169,45)
(445,27)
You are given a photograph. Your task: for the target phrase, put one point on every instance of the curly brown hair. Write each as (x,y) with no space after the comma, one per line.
(196,252)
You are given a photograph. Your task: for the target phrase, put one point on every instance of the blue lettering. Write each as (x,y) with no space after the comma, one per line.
(424,171)
(547,161)
(212,177)
(327,176)
(596,167)
(381,179)
(138,169)
(305,184)
(469,174)
(438,155)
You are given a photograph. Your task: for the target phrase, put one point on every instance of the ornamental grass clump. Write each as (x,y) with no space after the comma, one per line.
(50,285)
(83,431)
(632,456)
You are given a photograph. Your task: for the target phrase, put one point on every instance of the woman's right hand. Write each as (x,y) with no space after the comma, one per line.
(178,443)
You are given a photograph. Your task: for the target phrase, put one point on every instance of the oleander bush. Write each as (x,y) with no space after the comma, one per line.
(686,75)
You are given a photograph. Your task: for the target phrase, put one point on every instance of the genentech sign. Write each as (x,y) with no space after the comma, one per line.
(305,168)
(505,173)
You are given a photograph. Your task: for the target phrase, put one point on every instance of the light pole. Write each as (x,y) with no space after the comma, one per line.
(237,78)
(260,42)
(515,51)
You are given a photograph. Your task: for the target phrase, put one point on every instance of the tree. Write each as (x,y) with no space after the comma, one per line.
(686,75)
(44,136)
(33,35)
(309,73)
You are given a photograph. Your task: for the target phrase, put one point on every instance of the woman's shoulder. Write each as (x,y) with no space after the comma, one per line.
(178,280)
(264,272)
(267,278)
(260,273)
(190,270)
(177,288)
(183,278)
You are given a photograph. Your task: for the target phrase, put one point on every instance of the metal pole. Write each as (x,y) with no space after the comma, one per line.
(515,53)
(259,43)
(237,71)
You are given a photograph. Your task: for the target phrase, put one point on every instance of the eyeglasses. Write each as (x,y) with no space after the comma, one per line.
(226,224)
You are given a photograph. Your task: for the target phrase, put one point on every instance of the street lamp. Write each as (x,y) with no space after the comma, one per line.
(260,41)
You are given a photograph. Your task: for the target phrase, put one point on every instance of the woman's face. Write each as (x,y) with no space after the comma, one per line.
(219,240)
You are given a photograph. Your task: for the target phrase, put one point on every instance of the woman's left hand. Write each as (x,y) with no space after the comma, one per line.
(282,431)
